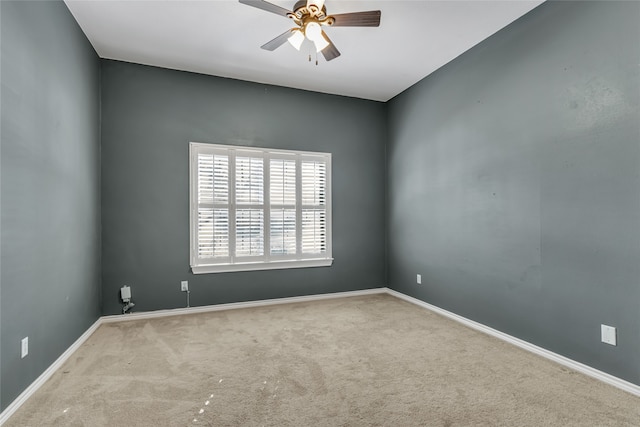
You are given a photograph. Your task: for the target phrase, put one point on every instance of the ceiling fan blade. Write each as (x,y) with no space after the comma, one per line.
(265,5)
(330,52)
(278,41)
(357,19)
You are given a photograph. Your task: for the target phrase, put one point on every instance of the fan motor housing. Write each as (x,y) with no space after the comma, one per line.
(301,14)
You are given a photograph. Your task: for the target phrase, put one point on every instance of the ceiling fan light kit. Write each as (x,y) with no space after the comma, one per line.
(296,38)
(310,16)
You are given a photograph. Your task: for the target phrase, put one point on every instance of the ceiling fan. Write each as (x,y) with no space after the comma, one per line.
(310,16)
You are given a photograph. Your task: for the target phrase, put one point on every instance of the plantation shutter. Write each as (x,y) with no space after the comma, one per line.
(249,206)
(255,209)
(213,206)
(282,199)
(314,209)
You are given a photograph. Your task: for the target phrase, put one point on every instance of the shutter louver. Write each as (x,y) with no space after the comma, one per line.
(282,197)
(249,180)
(314,212)
(221,179)
(249,232)
(213,220)
(282,182)
(213,233)
(314,231)
(283,231)
(314,180)
(250,211)
(205,233)
(205,178)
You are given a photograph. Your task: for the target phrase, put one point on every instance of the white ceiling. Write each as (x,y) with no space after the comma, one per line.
(223,38)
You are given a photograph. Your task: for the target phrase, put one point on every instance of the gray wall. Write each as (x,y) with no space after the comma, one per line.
(50,279)
(514,183)
(149,116)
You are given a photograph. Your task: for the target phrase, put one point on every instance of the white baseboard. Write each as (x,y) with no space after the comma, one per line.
(34,386)
(587,370)
(238,305)
(565,361)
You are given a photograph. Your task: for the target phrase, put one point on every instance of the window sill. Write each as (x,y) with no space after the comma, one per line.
(255,266)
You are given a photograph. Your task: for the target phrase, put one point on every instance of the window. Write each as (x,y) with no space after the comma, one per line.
(258,209)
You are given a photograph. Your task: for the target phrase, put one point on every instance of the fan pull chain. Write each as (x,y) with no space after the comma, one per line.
(316,57)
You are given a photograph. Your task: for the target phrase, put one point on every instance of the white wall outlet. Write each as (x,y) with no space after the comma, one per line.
(24,347)
(419,279)
(184,286)
(608,334)
(125,293)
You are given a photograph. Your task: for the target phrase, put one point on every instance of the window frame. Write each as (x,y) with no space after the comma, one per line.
(266,261)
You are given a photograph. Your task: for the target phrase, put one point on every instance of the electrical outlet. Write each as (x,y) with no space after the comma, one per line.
(184,286)
(24,347)
(419,279)
(608,334)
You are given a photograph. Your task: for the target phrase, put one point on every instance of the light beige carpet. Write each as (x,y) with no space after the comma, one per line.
(364,361)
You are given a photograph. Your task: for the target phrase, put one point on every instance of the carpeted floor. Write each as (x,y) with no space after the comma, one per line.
(362,361)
